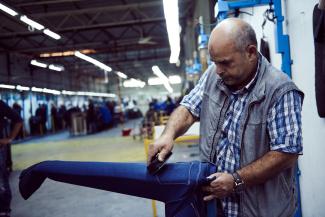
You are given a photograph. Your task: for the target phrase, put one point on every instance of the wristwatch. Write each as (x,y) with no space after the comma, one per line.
(239,184)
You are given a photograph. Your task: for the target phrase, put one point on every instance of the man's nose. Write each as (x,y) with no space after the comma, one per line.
(219,71)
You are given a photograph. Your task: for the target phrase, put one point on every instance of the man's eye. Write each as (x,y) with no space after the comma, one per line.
(224,63)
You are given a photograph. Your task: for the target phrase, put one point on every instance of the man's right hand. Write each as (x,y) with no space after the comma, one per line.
(162,146)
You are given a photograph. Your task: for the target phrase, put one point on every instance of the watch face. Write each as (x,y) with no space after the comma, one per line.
(239,183)
(239,187)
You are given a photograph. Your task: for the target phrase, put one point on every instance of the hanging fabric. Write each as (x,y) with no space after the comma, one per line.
(264,45)
(265,49)
(319,42)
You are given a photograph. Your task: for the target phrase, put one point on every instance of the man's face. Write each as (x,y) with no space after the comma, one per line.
(233,66)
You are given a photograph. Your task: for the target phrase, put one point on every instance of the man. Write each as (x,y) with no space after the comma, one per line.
(5,193)
(250,126)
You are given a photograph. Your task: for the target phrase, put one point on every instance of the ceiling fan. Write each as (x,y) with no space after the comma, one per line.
(146,40)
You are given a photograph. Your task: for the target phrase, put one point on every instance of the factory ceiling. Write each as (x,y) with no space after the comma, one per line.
(128,35)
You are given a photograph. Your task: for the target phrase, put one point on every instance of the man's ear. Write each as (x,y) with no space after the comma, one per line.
(251,51)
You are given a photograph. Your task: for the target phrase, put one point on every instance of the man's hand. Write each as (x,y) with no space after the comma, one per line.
(163,145)
(5,141)
(221,187)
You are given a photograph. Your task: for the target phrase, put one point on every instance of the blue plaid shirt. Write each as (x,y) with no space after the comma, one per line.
(283,124)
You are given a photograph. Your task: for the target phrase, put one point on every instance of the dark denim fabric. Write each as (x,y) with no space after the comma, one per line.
(178,185)
(5,193)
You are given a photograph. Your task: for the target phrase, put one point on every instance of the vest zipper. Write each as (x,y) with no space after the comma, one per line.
(213,153)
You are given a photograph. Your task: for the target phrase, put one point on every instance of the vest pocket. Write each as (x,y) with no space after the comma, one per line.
(256,116)
(284,185)
(210,108)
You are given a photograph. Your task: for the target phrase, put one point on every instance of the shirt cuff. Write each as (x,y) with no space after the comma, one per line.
(287,149)
(193,111)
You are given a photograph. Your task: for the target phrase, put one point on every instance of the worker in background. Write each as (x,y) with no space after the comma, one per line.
(17,108)
(250,126)
(5,194)
(170,105)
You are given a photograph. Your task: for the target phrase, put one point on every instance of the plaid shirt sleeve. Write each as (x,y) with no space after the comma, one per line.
(193,100)
(284,124)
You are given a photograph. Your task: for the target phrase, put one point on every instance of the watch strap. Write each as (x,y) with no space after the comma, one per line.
(238,182)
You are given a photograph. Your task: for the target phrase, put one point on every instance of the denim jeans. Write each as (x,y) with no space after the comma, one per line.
(5,193)
(178,185)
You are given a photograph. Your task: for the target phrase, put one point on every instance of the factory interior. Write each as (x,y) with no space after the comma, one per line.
(97,81)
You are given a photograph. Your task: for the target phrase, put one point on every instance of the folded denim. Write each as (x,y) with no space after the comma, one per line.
(178,185)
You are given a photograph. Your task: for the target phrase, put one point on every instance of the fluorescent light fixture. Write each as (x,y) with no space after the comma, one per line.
(134,83)
(56,67)
(52,34)
(168,87)
(112,95)
(31,23)
(37,63)
(173,29)
(45,90)
(100,94)
(174,79)
(155,81)
(163,77)
(22,88)
(55,92)
(8,10)
(6,86)
(159,73)
(65,92)
(82,93)
(122,75)
(106,77)
(36,89)
(66,53)
(93,61)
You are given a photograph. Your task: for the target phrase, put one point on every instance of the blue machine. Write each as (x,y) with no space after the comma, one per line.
(282,44)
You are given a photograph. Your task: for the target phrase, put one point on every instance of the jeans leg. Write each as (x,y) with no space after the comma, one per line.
(193,205)
(178,184)
(5,193)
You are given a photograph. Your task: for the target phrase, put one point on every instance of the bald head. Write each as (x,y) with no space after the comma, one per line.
(233,31)
(233,49)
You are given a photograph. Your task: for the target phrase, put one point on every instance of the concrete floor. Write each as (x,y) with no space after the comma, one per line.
(56,199)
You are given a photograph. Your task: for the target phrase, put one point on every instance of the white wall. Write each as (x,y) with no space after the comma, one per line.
(299,26)
(312,179)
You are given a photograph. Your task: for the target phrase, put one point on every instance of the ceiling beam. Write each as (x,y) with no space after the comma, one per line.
(86,27)
(123,60)
(97,9)
(101,46)
(45,2)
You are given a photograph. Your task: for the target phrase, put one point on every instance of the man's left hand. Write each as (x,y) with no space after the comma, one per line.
(221,187)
